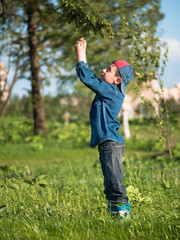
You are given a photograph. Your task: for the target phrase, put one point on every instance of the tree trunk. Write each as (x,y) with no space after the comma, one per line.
(126,129)
(38,110)
(1,7)
(5,103)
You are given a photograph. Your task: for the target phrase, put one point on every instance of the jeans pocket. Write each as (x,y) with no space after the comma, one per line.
(105,146)
(120,149)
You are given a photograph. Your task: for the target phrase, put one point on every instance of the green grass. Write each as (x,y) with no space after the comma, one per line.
(52,188)
(57,193)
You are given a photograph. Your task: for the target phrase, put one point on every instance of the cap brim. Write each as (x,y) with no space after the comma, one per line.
(123,88)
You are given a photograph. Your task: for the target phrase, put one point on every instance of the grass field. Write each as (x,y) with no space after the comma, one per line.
(53,191)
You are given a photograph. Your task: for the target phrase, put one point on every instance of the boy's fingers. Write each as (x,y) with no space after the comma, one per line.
(81,39)
(77,43)
(80,42)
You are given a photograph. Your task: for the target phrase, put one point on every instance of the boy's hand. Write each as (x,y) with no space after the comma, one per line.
(80,49)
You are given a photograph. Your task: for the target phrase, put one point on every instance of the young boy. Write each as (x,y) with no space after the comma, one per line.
(110,92)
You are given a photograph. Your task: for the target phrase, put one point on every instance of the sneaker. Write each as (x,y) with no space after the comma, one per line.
(122,211)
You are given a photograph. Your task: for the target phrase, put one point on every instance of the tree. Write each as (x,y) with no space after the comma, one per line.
(1,7)
(23,26)
(33,25)
(107,49)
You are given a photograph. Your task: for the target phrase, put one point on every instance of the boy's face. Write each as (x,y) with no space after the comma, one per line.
(109,75)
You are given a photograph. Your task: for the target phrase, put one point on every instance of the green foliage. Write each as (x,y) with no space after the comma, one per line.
(173,106)
(176,151)
(15,129)
(101,52)
(70,134)
(21,106)
(148,68)
(35,142)
(18,129)
(87,20)
(54,108)
(138,143)
(135,196)
(144,49)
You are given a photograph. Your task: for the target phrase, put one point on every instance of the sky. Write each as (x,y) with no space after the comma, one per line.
(168,31)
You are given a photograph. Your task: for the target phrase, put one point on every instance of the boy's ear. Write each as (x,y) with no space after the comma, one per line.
(118,80)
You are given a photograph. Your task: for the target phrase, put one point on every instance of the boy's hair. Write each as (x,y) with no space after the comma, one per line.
(117,73)
(125,72)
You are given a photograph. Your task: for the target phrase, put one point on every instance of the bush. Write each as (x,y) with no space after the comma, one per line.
(15,128)
(176,151)
(70,134)
(18,129)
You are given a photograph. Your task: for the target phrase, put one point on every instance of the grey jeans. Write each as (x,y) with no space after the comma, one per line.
(110,155)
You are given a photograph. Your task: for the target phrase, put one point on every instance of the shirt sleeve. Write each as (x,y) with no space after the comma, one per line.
(100,88)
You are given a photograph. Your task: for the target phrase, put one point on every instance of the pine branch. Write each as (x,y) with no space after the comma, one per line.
(50,44)
(86,19)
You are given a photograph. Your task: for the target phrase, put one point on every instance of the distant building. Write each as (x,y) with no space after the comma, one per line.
(4,89)
(167,93)
(132,102)
(173,93)
(64,101)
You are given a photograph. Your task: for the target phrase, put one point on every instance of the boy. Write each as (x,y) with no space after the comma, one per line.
(110,92)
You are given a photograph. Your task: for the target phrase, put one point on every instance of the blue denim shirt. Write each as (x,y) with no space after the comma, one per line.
(105,107)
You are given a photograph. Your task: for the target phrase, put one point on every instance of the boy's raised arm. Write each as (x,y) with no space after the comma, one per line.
(80,49)
(101,88)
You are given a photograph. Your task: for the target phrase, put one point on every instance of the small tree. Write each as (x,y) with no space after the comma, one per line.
(148,68)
